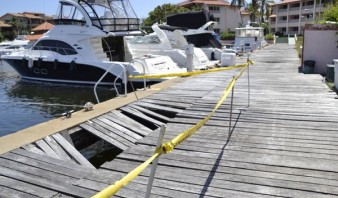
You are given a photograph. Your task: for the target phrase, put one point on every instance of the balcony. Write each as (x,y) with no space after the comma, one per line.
(282,21)
(281,11)
(294,8)
(293,20)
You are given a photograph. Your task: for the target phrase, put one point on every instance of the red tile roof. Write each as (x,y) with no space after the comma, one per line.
(208,2)
(33,37)
(44,26)
(287,1)
(2,24)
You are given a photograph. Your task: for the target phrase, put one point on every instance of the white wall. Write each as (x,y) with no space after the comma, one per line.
(229,18)
(320,46)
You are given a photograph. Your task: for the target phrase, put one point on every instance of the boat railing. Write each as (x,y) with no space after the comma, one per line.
(144,71)
(117,24)
(69,22)
(124,80)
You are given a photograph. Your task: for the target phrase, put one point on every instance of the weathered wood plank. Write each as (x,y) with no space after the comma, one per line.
(74,171)
(6,192)
(91,129)
(46,148)
(57,148)
(66,135)
(72,151)
(129,123)
(45,183)
(158,107)
(29,190)
(38,171)
(141,115)
(199,177)
(120,127)
(151,113)
(33,148)
(113,132)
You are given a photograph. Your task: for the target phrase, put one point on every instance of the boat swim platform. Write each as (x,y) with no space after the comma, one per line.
(283,145)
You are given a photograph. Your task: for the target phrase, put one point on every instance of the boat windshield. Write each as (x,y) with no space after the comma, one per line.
(249,32)
(147,39)
(68,14)
(111,15)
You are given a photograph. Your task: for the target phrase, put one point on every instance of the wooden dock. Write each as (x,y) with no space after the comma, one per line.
(283,145)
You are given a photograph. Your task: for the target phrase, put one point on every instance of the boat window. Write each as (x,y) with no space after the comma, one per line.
(204,40)
(55,46)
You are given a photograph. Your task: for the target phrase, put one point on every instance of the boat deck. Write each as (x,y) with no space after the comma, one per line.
(283,145)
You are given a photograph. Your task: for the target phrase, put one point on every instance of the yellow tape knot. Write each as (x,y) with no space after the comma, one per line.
(250,62)
(168,147)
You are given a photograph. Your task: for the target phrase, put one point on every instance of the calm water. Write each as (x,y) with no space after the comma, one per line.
(24,104)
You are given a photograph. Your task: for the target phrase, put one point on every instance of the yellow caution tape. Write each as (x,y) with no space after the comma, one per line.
(170,145)
(185,74)
(112,189)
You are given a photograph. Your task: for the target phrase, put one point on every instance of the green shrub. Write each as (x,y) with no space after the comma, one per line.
(228,36)
(299,44)
(269,37)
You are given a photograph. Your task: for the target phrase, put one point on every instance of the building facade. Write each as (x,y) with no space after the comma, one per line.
(290,16)
(23,23)
(227,16)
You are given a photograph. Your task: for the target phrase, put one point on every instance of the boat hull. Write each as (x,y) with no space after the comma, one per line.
(58,72)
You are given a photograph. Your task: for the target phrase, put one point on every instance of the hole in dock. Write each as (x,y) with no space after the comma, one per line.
(96,150)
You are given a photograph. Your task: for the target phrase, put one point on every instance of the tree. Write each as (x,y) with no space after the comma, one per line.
(253,10)
(14,24)
(159,14)
(2,38)
(331,13)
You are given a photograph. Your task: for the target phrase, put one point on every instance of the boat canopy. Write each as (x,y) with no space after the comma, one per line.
(250,32)
(108,15)
(190,20)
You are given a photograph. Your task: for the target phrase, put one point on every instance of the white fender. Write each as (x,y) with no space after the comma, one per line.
(30,62)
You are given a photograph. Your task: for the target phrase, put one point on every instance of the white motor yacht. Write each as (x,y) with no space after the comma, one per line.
(7,47)
(85,43)
(175,46)
(249,39)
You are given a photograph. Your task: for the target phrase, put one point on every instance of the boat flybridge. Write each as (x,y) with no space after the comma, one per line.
(174,45)
(86,43)
(249,38)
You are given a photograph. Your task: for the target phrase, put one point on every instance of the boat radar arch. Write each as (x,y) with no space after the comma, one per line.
(107,15)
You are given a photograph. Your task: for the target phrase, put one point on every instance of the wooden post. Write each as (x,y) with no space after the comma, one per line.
(231,105)
(154,165)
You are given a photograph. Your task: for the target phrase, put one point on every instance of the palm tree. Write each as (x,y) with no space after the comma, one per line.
(252,8)
(265,9)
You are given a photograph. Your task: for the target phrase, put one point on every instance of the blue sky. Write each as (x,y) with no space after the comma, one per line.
(49,7)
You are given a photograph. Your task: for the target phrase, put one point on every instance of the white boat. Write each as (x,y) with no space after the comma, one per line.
(249,39)
(174,45)
(85,43)
(204,38)
(7,47)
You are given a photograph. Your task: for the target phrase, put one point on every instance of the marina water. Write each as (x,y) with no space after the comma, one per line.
(24,104)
